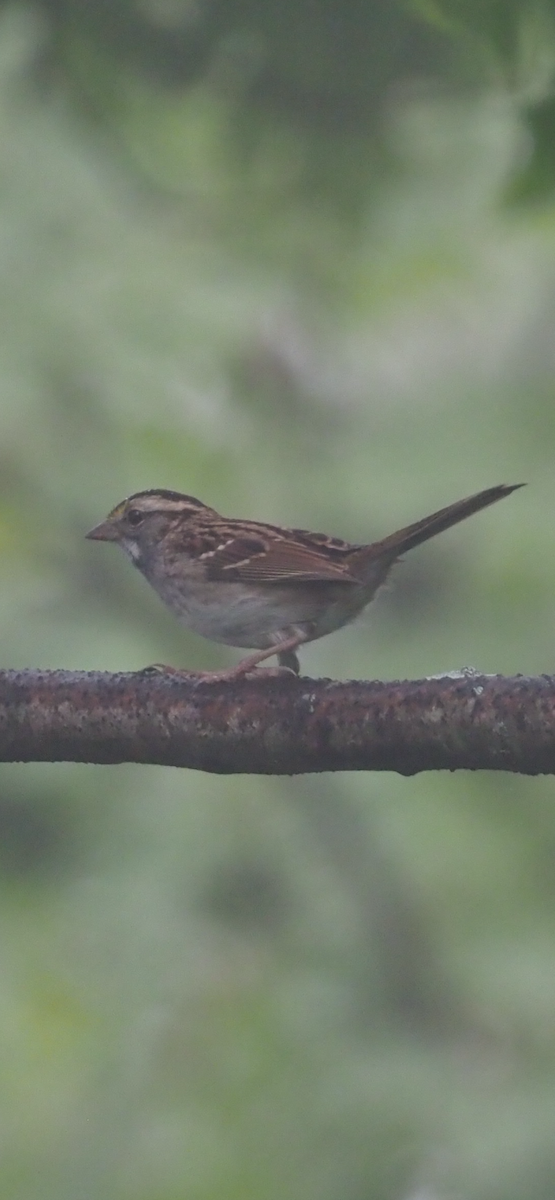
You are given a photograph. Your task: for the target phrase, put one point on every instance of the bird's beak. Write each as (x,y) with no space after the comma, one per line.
(107,531)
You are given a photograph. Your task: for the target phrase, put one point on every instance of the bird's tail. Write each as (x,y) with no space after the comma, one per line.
(412,535)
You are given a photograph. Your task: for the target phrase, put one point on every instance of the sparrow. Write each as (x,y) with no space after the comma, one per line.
(259,586)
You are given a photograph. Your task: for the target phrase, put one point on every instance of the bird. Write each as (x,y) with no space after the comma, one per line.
(262,587)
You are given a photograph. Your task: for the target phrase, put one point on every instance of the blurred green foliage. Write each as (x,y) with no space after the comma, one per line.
(270,254)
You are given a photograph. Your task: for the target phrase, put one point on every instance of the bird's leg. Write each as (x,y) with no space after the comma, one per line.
(289,660)
(285,651)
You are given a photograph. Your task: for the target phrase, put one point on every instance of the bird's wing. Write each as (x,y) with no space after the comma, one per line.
(257,558)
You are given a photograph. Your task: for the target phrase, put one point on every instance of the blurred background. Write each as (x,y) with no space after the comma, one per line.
(297,259)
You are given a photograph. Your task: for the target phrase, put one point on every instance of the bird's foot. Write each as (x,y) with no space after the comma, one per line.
(244,670)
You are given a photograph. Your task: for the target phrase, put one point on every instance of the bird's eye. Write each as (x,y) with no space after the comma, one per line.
(134,516)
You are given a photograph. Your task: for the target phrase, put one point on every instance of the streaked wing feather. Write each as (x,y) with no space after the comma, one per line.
(251,559)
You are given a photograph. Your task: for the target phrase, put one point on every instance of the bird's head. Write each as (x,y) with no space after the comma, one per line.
(141,523)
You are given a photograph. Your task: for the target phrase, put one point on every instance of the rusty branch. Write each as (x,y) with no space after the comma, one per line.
(280,726)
